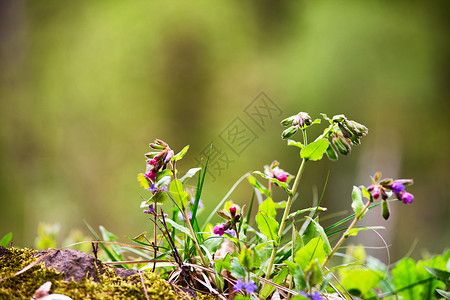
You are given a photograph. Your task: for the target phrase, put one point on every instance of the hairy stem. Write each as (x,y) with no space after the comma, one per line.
(345,235)
(285,215)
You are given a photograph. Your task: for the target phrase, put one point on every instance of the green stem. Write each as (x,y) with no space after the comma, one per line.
(345,235)
(285,215)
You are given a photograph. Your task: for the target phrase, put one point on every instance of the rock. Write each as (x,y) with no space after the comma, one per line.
(77,265)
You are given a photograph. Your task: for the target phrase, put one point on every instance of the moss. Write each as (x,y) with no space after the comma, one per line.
(110,286)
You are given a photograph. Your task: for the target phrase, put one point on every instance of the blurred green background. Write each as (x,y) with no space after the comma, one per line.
(86,85)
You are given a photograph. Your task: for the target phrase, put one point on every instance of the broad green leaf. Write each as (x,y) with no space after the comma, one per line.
(240,297)
(295,143)
(315,273)
(326,242)
(190,173)
(278,279)
(268,226)
(179,195)
(236,269)
(299,297)
(315,150)
(180,154)
(404,275)
(179,227)
(258,185)
(314,249)
(297,241)
(143,181)
(362,280)
(6,239)
(269,207)
(159,197)
(246,258)
(357,203)
(224,263)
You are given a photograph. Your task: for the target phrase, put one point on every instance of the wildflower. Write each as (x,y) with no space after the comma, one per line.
(407,197)
(239,285)
(152,188)
(219,229)
(181,216)
(397,187)
(274,171)
(250,287)
(153,161)
(375,194)
(313,296)
(150,209)
(233,210)
(231,232)
(200,202)
(281,177)
(151,175)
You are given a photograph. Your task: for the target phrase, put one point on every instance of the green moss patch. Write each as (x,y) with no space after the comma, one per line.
(110,286)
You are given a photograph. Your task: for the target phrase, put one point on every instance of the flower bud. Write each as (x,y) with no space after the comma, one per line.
(302,119)
(339,118)
(288,121)
(341,144)
(345,132)
(360,129)
(289,132)
(168,156)
(331,153)
(156,146)
(386,212)
(407,197)
(223,214)
(233,210)
(376,194)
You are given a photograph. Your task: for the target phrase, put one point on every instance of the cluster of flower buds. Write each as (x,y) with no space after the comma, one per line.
(273,171)
(227,227)
(158,159)
(346,134)
(386,187)
(295,122)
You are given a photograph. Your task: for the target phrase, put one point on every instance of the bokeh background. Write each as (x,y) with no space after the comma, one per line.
(86,85)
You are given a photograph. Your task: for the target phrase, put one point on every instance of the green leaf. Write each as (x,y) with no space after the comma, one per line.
(357,203)
(443,293)
(299,297)
(405,275)
(246,258)
(269,207)
(6,239)
(268,226)
(179,227)
(439,274)
(295,143)
(143,181)
(179,195)
(301,211)
(258,185)
(278,279)
(314,249)
(236,269)
(190,173)
(362,280)
(315,273)
(240,297)
(315,150)
(180,154)
(326,242)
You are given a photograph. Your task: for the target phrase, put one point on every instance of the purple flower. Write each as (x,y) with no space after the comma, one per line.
(313,296)
(219,229)
(149,210)
(152,188)
(397,187)
(407,197)
(250,287)
(231,232)
(200,202)
(181,217)
(164,189)
(316,296)
(239,285)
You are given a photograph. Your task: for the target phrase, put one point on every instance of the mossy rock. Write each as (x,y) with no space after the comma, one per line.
(100,282)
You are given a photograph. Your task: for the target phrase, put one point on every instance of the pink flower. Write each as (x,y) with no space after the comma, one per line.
(153,161)
(281,177)
(407,197)
(219,229)
(151,175)
(233,210)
